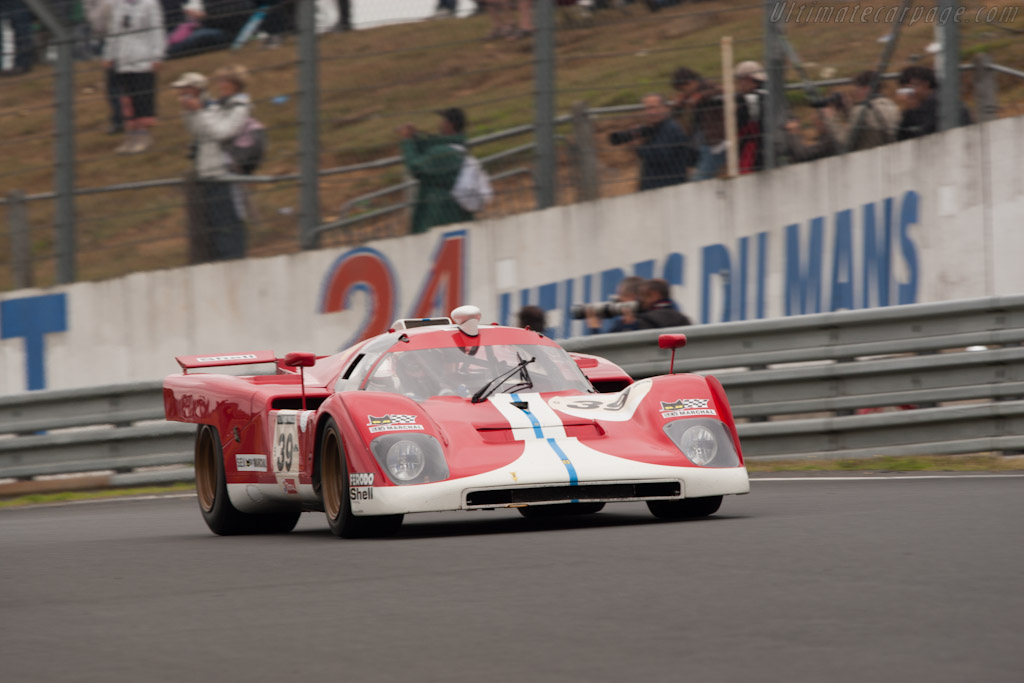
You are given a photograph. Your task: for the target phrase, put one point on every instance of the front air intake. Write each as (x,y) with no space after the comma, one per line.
(649,490)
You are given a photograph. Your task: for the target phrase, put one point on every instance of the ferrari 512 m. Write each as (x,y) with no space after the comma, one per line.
(448,414)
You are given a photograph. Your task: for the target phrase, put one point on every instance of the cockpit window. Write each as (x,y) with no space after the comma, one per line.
(461,371)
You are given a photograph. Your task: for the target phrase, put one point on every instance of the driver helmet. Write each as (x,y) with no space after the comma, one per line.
(414,377)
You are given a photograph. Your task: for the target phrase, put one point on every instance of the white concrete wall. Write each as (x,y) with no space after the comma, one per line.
(964,241)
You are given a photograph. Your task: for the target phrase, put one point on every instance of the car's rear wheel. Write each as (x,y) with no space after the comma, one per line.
(334,488)
(560,510)
(211,489)
(688,508)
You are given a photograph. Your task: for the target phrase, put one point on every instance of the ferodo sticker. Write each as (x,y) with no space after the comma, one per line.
(392,423)
(223,359)
(250,463)
(686,407)
(360,486)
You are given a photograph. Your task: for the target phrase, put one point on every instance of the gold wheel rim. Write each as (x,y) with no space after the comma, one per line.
(206,472)
(331,480)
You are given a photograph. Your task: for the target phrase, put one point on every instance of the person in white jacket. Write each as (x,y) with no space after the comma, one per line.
(134,48)
(214,124)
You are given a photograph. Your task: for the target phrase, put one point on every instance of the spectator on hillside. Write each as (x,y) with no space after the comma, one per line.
(797,147)
(752,102)
(214,124)
(344,16)
(98,14)
(435,161)
(228,16)
(663,149)
(173,12)
(532,318)
(701,106)
(924,118)
(20,18)
(445,9)
(281,16)
(510,19)
(872,121)
(134,48)
(655,5)
(208,25)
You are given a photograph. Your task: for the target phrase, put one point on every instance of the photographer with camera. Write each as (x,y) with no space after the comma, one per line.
(623,307)
(872,121)
(826,109)
(702,107)
(663,149)
(639,305)
(656,308)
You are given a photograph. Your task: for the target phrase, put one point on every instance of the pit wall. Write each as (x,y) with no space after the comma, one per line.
(934,219)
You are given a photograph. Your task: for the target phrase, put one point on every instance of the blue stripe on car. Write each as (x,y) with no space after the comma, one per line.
(538,431)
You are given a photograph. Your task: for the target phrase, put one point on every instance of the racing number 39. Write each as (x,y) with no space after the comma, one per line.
(285,452)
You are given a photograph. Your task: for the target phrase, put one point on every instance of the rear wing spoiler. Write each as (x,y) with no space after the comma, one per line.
(252,358)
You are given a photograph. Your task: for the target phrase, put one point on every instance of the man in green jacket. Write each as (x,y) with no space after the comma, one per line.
(433,161)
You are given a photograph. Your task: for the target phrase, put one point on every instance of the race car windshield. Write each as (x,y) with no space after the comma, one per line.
(461,371)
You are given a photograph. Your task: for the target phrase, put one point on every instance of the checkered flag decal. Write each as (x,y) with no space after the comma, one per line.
(692,403)
(409,419)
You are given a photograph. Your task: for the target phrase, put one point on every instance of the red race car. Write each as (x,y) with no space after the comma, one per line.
(439,415)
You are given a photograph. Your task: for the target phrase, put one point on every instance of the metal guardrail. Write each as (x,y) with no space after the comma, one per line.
(807,386)
(798,384)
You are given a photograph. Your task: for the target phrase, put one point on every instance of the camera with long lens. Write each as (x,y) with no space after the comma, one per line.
(834,100)
(621,137)
(603,309)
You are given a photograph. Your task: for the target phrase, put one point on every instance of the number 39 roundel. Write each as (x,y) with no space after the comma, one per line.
(286,444)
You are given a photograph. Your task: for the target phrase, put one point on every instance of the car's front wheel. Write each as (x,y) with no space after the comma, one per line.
(688,508)
(334,489)
(560,510)
(211,489)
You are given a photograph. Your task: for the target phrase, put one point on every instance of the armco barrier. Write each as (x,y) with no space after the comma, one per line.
(952,375)
(925,379)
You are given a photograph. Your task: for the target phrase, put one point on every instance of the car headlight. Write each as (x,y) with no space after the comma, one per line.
(405,460)
(705,442)
(410,458)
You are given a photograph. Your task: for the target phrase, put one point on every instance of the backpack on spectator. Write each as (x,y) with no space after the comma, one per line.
(472,189)
(248,147)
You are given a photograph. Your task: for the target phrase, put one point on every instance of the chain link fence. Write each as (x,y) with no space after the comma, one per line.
(560,99)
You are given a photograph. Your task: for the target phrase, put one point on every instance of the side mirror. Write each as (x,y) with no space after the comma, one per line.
(671,341)
(300,359)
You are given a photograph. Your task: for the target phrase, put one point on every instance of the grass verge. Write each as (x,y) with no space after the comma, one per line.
(929,463)
(72,496)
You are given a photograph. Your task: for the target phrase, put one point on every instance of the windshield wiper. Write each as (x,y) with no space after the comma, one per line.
(525,381)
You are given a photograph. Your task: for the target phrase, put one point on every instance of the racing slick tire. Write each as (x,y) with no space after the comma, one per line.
(211,489)
(560,510)
(334,490)
(688,508)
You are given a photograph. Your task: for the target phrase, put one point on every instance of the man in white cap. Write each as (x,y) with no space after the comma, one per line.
(752,100)
(190,84)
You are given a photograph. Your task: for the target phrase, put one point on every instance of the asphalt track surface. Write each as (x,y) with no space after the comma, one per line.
(858,580)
